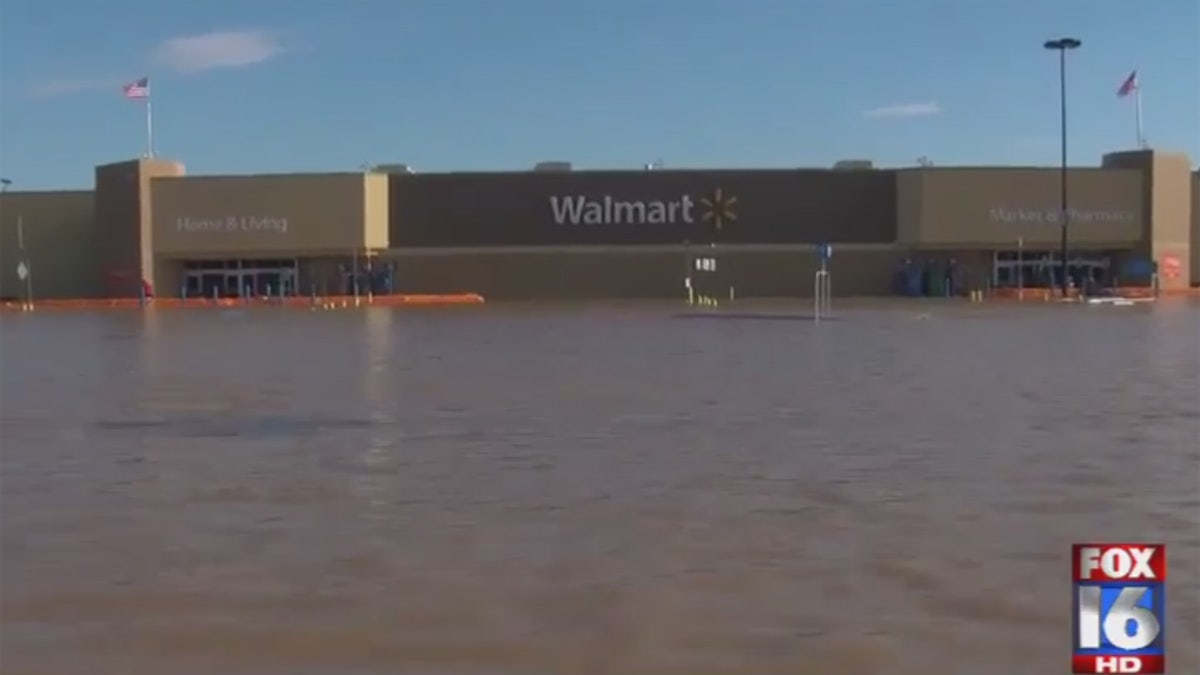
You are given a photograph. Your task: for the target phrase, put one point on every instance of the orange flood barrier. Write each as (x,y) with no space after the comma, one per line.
(323,302)
(1046,294)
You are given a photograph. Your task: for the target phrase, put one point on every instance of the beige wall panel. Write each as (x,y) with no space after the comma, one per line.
(240,216)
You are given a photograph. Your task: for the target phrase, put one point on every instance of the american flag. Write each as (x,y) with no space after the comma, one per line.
(137,89)
(1129,86)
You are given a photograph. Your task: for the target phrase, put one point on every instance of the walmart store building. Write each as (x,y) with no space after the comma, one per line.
(546,234)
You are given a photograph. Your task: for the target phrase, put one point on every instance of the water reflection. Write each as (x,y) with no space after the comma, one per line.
(593,490)
(152,347)
(382,360)
(382,344)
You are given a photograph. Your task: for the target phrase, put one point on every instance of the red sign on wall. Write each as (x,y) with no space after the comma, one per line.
(1170,267)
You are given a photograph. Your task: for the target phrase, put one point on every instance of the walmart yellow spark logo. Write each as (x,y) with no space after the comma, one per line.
(719,208)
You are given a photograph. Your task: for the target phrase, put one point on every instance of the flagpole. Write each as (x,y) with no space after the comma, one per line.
(149,129)
(1137,107)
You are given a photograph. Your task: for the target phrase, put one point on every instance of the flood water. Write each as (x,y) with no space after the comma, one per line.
(589,490)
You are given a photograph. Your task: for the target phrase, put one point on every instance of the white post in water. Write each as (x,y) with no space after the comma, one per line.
(822,287)
(687,269)
(1020,269)
(24,269)
(354,276)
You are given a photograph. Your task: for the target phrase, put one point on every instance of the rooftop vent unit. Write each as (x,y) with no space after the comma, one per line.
(392,168)
(552,166)
(854,164)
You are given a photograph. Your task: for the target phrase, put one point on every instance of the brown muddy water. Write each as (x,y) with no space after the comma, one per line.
(591,490)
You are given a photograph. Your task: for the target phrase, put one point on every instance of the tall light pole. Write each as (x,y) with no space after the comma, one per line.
(1062,46)
(5,183)
(23,272)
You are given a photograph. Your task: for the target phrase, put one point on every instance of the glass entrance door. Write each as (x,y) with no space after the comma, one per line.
(212,285)
(270,282)
(240,278)
(1043,269)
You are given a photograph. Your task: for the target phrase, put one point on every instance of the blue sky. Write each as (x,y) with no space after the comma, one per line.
(246,86)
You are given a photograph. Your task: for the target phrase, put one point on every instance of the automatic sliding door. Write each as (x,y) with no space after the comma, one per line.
(233,284)
(268,283)
(212,284)
(287,281)
(241,278)
(193,285)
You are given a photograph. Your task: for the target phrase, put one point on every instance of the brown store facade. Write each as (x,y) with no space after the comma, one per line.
(595,234)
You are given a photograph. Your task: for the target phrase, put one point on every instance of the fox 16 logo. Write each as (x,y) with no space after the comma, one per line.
(1118,608)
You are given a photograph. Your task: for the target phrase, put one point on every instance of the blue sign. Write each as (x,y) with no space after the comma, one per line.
(1138,268)
(824,252)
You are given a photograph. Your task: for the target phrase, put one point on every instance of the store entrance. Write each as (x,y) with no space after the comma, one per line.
(1043,269)
(240,278)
